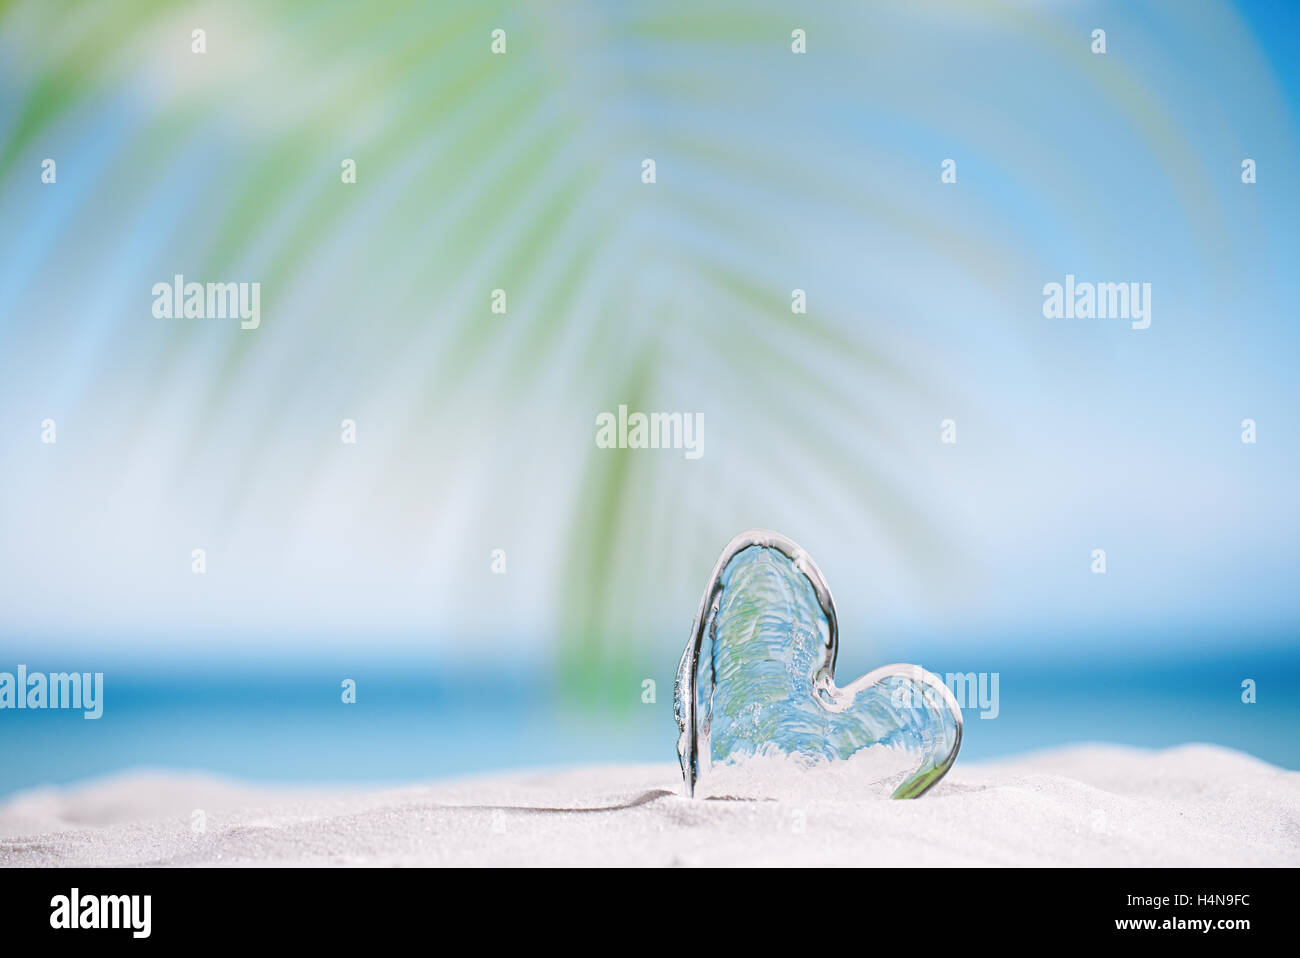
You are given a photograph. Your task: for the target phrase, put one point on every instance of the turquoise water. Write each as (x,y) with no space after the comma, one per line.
(415,721)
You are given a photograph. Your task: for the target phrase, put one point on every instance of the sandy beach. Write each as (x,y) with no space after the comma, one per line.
(1080,806)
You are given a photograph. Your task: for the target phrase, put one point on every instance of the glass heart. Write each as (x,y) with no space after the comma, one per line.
(756,700)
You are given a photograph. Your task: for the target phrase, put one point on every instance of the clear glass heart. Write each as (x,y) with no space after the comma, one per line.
(756,700)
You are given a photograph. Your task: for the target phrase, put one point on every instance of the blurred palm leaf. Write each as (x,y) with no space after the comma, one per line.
(519,172)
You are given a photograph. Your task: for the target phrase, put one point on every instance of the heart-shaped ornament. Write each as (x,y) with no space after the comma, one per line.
(756,699)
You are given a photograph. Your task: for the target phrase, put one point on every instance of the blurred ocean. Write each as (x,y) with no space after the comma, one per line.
(421,721)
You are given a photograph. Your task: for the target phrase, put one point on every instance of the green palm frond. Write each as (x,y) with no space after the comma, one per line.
(520,172)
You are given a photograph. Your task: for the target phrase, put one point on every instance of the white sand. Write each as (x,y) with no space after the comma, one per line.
(1088,805)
